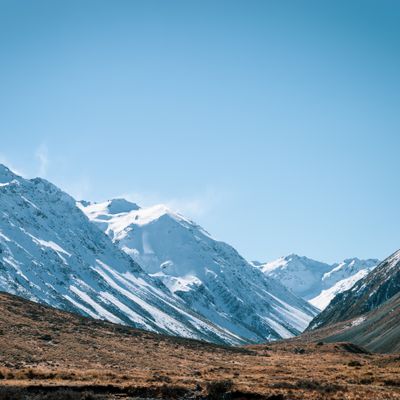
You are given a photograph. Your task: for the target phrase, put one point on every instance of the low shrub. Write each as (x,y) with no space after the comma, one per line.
(392,382)
(20,393)
(354,363)
(219,390)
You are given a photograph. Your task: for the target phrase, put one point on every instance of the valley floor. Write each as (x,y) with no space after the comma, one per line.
(49,354)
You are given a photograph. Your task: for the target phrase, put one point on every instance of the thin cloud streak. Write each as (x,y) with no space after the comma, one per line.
(42,156)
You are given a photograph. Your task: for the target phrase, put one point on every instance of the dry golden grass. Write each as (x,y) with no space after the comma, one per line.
(40,346)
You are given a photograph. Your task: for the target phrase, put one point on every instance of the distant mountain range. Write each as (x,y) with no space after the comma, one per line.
(191,285)
(315,281)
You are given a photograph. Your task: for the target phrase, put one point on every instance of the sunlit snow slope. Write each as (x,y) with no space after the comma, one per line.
(210,276)
(51,253)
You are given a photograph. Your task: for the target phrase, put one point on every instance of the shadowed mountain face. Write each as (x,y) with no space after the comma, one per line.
(367,294)
(376,331)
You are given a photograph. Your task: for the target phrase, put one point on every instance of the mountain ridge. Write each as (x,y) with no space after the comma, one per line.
(209,275)
(316,281)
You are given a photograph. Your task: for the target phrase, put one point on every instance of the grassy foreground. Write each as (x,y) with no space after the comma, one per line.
(50,354)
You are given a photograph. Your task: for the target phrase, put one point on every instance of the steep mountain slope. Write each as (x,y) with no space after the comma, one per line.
(315,281)
(210,276)
(51,253)
(377,331)
(366,295)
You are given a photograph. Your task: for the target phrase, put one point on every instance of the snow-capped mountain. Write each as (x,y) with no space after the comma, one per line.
(209,275)
(315,281)
(366,295)
(51,253)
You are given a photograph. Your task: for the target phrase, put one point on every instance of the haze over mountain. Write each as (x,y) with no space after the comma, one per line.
(315,281)
(208,275)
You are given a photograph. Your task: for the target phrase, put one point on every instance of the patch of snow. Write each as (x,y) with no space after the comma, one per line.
(101,311)
(358,321)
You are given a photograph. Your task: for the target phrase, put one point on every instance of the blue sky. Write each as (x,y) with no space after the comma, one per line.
(274,124)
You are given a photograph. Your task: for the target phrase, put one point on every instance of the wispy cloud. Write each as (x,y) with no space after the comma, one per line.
(42,156)
(195,206)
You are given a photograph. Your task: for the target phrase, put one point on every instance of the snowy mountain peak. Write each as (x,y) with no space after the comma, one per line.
(293,263)
(210,276)
(119,222)
(316,281)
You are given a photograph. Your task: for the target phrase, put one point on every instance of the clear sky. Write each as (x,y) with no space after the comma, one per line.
(273,124)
